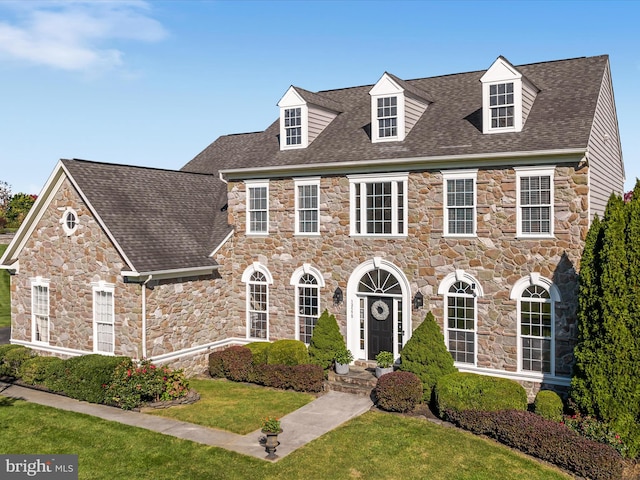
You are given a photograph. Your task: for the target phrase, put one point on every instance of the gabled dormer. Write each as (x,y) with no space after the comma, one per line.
(507,98)
(396,106)
(303,115)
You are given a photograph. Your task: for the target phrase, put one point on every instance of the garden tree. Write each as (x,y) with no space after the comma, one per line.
(5,196)
(606,381)
(426,355)
(326,340)
(18,207)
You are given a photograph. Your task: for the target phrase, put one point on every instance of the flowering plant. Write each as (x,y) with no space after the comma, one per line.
(271,425)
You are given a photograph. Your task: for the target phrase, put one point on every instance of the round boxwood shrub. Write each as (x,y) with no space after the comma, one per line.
(548,404)
(469,391)
(326,340)
(33,371)
(287,352)
(13,358)
(260,352)
(426,355)
(398,391)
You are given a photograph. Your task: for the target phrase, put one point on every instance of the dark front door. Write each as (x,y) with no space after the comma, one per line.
(380,326)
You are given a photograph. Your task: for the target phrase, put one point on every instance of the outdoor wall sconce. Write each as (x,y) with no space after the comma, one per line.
(418,301)
(337,296)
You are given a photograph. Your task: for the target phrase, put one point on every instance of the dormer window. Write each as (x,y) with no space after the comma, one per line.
(388,117)
(502,105)
(293,125)
(507,98)
(396,106)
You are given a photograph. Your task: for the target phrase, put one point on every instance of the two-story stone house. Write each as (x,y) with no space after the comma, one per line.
(468,195)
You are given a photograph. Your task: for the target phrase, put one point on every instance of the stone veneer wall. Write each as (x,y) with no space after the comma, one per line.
(496,258)
(71,264)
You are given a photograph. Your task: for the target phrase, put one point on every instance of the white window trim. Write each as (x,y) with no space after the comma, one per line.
(246,279)
(306,268)
(304,127)
(478,292)
(100,287)
(394,178)
(460,175)
(249,184)
(535,172)
(501,71)
(63,221)
(40,282)
(298,182)
(535,279)
(375,133)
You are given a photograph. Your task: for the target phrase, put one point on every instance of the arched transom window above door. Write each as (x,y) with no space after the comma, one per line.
(379,281)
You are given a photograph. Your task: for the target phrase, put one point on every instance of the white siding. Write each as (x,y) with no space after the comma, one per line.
(606,171)
(318,121)
(413,110)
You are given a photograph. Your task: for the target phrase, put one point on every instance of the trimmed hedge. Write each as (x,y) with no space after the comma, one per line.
(301,378)
(398,391)
(12,359)
(545,439)
(260,352)
(234,363)
(469,391)
(34,371)
(548,404)
(87,376)
(287,352)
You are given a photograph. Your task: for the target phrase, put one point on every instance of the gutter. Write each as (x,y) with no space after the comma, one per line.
(437,161)
(163,274)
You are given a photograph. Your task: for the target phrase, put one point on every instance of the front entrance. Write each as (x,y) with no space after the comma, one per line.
(380,325)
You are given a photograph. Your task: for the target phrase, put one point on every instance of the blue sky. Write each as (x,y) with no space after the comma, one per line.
(153,83)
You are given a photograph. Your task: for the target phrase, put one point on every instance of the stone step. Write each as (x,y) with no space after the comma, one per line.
(359,381)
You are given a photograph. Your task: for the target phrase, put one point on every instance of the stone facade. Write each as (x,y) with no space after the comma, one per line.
(496,257)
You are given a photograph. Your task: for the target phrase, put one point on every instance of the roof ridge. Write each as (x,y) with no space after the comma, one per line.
(141,167)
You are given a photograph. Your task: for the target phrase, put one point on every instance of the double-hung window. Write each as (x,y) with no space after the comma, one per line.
(258,296)
(536,321)
(293,125)
(307,204)
(378,204)
(308,306)
(461,322)
(460,203)
(387,115)
(40,310)
(103,318)
(501,103)
(257,207)
(535,201)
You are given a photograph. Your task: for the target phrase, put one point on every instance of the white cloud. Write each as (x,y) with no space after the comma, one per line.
(76,35)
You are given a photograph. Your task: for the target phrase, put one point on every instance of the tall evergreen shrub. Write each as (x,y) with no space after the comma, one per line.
(326,340)
(606,380)
(426,355)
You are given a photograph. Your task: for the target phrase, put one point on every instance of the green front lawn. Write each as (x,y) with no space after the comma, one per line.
(236,407)
(5,300)
(373,446)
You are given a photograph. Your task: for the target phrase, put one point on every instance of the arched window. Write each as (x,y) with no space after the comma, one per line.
(536,297)
(460,291)
(307,281)
(257,279)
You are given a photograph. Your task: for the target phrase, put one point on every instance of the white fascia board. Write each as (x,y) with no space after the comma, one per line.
(36,212)
(173,273)
(226,239)
(541,157)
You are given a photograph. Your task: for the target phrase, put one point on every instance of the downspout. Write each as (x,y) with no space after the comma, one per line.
(144,316)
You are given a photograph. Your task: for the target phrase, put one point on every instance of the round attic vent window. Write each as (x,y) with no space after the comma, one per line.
(69,221)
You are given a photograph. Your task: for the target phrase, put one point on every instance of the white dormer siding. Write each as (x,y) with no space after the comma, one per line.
(394,110)
(507,98)
(301,121)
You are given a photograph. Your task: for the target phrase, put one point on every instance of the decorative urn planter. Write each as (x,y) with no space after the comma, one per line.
(385,363)
(271,443)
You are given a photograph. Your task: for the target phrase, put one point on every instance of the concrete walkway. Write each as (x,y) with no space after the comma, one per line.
(300,427)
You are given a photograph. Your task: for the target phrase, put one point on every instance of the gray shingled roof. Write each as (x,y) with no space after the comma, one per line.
(561,118)
(162,219)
